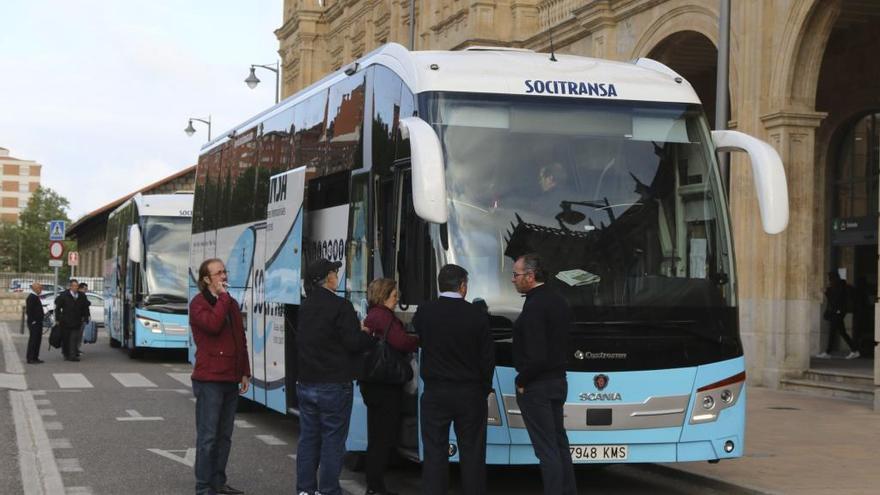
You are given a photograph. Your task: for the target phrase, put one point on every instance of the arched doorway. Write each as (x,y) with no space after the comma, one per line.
(854,212)
(847,143)
(695,57)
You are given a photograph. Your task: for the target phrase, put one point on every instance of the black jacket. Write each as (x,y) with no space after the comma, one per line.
(457,345)
(329,340)
(84,305)
(34,310)
(540,336)
(67,310)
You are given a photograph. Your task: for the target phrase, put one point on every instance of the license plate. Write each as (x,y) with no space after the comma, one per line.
(590,453)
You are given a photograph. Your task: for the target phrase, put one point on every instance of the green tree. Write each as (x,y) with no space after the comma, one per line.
(25,246)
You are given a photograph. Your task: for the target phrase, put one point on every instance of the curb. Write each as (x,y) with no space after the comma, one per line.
(703,479)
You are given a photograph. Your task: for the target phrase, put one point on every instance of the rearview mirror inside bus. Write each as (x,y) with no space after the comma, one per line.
(135,245)
(768,173)
(428,173)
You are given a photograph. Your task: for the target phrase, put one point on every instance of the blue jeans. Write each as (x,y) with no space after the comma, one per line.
(324,413)
(215,418)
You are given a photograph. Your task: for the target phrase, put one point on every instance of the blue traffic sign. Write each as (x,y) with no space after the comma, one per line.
(56,230)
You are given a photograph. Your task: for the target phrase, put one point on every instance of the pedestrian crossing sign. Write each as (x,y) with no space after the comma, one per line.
(56,230)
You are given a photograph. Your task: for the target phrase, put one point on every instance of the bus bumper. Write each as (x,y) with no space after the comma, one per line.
(161,330)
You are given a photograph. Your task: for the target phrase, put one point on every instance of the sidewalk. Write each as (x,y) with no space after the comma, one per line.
(798,444)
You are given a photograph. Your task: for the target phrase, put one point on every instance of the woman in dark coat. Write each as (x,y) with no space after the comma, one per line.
(384,401)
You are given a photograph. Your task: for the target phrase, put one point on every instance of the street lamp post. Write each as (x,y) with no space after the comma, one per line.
(252,79)
(190,130)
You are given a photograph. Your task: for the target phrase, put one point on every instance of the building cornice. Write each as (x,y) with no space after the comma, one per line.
(793,119)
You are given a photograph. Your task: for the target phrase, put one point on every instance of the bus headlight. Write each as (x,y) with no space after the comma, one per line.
(150,324)
(713,398)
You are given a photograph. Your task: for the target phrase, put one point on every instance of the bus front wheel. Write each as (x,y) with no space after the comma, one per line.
(114,343)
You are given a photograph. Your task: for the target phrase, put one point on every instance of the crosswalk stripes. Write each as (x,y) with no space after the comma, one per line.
(132,380)
(72,380)
(183,378)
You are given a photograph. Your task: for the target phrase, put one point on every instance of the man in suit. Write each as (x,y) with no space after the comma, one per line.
(84,310)
(69,317)
(34,314)
(329,339)
(457,367)
(540,349)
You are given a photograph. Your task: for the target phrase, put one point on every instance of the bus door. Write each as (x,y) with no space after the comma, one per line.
(278,284)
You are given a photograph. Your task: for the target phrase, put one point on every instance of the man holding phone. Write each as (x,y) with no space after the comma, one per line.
(221,373)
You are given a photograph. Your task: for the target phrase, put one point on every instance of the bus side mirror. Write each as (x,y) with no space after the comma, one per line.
(769,174)
(428,172)
(135,245)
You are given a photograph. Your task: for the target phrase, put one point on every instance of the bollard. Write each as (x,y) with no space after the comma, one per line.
(23,318)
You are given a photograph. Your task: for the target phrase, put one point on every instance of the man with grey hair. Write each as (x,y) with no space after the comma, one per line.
(34,314)
(328,341)
(540,347)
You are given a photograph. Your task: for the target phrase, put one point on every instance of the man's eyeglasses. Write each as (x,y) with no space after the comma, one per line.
(520,274)
(219,272)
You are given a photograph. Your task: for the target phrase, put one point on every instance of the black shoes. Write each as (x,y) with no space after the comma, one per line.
(376,492)
(228,490)
(35,361)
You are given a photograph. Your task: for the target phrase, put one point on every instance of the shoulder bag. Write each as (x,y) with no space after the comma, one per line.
(385,364)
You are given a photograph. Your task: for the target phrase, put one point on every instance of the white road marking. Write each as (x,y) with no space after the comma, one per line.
(188,459)
(72,380)
(38,392)
(136,416)
(292,456)
(53,425)
(60,443)
(192,399)
(13,381)
(132,380)
(180,391)
(270,440)
(10,354)
(78,490)
(39,472)
(183,378)
(47,412)
(240,423)
(69,466)
(43,402)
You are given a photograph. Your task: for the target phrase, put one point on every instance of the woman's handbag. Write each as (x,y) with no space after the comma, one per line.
(385,364)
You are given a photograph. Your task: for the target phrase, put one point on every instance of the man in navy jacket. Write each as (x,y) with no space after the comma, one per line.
(34,313)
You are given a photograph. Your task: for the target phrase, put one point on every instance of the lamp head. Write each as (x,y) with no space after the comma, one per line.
(252,80)
(190,130)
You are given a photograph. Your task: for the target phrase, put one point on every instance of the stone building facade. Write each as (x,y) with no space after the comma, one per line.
(803,76)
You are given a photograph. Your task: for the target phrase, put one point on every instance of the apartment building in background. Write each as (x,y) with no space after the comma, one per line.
(18,180)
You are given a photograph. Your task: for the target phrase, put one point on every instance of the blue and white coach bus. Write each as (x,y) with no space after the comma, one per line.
(404,161)
(145,272)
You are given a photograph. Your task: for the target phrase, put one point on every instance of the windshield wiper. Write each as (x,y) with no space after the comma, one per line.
(164,299)
(686,326)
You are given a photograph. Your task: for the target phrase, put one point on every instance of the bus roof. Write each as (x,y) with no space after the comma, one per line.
(160,205)
(499,70)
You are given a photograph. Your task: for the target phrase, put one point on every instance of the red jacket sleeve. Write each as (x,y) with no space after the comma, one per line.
(377,321)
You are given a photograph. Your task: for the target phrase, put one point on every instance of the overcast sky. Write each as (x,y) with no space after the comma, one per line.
(99,91)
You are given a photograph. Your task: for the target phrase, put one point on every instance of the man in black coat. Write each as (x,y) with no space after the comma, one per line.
(84,310)
(34,315)
(540,348)
(68,315)
(329,340)
(457,367)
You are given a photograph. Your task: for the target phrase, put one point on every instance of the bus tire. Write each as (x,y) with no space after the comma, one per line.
(135,352)
(115,343)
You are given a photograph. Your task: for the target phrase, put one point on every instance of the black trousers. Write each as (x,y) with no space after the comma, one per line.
(34,340)
(384,403)
(838,327)
(465,407)
(68,341)
(542,411)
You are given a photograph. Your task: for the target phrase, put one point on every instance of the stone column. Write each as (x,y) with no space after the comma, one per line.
(779,276)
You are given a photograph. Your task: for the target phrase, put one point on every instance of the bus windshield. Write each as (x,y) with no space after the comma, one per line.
(620,199)
(166,240)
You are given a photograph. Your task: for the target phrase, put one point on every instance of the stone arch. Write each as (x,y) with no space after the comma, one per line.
(698,17)
(795,78)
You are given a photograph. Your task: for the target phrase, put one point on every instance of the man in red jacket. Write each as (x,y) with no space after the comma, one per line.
(222,371)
